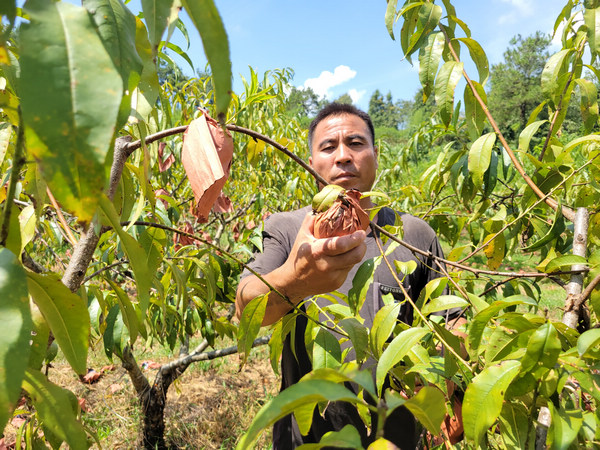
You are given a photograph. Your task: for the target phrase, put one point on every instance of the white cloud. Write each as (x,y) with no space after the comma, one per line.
(356,95)
(324,82)
(520,9)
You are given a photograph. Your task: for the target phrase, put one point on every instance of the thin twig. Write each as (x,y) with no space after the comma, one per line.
(587,292)
(99,271)
(61,218)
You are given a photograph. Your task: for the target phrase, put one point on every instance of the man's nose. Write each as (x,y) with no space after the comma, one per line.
(342,155)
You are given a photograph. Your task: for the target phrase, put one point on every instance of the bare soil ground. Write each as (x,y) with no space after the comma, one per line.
(208,407)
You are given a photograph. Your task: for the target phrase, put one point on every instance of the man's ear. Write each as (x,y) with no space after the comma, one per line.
(310,161)
(376,150)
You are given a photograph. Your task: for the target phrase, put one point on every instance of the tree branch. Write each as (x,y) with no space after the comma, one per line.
(138,379)
(84,250)
(567,212)
(132,146)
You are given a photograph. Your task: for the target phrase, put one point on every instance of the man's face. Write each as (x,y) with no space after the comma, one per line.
(342,152)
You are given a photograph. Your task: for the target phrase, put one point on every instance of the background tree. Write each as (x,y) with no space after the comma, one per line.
(384,113)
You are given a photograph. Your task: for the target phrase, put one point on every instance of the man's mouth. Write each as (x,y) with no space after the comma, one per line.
(344,176)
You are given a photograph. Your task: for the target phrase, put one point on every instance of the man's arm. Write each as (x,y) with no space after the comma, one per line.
(314,266)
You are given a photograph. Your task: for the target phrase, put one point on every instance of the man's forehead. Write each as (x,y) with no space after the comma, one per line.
(346,122)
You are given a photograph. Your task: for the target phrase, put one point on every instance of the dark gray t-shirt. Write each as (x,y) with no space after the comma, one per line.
(279,236)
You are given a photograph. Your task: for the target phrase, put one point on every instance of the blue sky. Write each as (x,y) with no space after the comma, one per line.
(338,46)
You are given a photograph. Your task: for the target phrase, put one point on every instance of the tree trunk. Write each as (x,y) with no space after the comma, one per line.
(153,410)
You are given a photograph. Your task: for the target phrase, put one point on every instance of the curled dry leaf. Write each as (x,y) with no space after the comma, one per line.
(222,204)
(344,216)
(206,156)
(166,163)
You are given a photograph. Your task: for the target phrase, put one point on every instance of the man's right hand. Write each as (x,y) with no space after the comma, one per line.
(314,266)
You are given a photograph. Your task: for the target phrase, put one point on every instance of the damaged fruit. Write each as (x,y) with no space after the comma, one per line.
(338,212)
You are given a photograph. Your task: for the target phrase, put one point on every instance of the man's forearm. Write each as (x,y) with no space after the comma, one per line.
(277,307)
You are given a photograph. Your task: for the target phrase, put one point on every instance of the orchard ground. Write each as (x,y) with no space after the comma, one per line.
(208,407)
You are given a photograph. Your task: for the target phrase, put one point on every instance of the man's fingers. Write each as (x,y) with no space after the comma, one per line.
(342,244)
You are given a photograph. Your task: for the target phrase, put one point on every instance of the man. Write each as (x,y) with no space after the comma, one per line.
(341,139)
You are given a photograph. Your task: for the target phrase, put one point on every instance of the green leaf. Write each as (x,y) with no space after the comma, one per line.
(297,395)
(129,316)
(429,61)
(390,17)
(591,18)
(589,103)
(445,84)
(5,134)
(564,426)
(360,285)
(250,324)
(156,15)
(65,132)
(474,114)
(206,18)
(145,94)
(565,262)
(480,155)
(558,226)
(397,349)
(138,259)
(429,407)
(411,15)
(304,416)
(484,397)
(528,133)
(39,339)
(442,303)
(181,53)
(326,350)
(57,409)
(115,334)
(555,67)
(588,341)
(116,27)
(512,420)
(347,437)
(428,19)
(481,320)
(66,314)
(383,324)
(16,325)
(590,138)
(358,335)
(543,348)
(479,58)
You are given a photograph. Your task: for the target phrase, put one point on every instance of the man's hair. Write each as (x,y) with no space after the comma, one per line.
(338,109)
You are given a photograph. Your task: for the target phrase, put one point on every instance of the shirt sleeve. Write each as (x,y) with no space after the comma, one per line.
(278,236)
